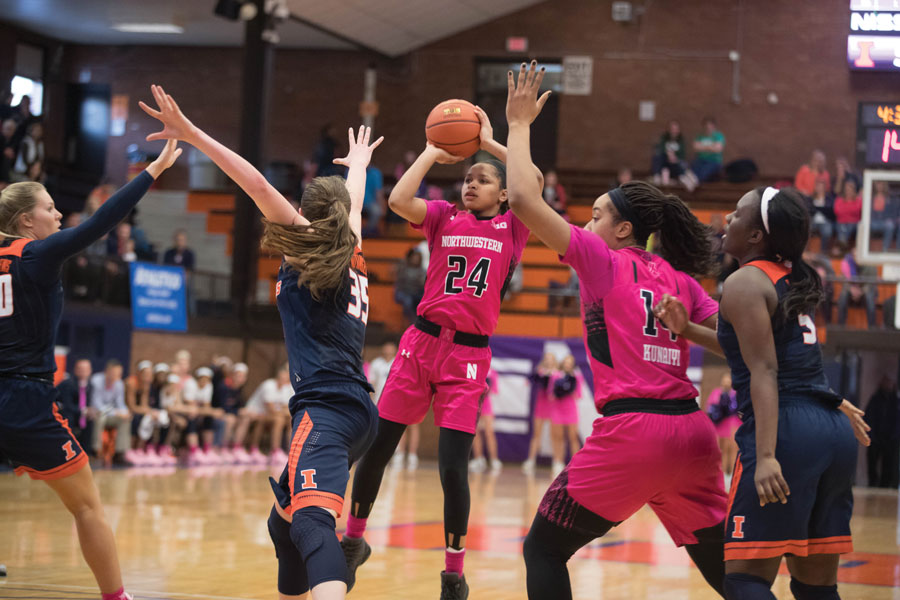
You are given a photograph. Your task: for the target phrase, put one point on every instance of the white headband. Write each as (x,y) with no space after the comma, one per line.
(767,195)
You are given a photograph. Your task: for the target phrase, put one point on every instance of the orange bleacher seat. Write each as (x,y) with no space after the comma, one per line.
(219,222)
(207,201)
(542,276)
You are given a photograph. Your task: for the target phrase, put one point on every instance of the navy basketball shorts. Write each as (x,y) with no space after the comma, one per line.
(34,437)
(332,426)
(817,453)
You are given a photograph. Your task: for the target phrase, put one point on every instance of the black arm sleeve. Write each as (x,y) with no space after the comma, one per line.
(44,258)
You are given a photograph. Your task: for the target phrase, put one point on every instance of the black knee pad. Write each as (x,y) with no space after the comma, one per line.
(292,580)
(312,532)
(804,591)
(742,586)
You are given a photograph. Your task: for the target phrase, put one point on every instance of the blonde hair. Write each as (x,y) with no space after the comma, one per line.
(16,200)
(321,251)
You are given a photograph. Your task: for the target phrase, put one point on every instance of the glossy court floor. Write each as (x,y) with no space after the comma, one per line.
(193,534)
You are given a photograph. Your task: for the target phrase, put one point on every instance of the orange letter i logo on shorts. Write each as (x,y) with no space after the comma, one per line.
(309,481)
(738,533)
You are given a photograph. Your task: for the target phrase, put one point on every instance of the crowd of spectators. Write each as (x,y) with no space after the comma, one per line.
(21,142)
(169,412)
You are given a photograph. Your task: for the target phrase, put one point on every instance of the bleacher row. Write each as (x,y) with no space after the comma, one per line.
(525,313)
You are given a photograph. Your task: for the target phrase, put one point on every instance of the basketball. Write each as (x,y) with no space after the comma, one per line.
(453,126)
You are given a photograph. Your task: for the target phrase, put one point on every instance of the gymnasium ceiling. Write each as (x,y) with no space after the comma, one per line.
(391,27)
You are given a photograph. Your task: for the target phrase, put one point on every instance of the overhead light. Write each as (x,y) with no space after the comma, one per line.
(148,28)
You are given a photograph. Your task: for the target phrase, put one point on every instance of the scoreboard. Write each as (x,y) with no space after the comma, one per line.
(873,43)
(878,134)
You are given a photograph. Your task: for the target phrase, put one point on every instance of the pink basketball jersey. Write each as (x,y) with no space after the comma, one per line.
(470,265)
(631,354)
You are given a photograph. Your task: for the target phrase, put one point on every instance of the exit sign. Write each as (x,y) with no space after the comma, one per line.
(517,44)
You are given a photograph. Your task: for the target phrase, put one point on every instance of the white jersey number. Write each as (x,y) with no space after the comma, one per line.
(6,295)
(359,304)
(809,329)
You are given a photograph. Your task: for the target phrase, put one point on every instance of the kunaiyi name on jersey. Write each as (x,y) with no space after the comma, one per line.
(471,241)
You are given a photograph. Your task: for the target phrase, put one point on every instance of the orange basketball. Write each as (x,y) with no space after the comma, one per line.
(453,126)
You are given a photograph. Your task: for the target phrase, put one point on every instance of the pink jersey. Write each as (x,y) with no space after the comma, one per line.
(470,265)
(632,355)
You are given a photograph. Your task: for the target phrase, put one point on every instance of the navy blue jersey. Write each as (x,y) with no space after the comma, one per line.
(800,369)
(325,339)
(31,295)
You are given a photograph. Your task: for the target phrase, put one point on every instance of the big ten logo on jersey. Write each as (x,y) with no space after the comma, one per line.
(738,532)
(309,479)
(501,225)
(359,302)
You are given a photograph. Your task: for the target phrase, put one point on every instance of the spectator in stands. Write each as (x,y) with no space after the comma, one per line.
(842,172)
(163,395)
(109,411)
(708,149)
(554,192)
(812,172)
(75,402)
(8,150)
(228,394)
(374,203)
(180,254)
(885,214)
(23,117)
(847,211)
(669,161)
(325,150)
(31,151)
(821,210)
(410,284)
(563,296)
(883,415)
(145,418)
(858,294)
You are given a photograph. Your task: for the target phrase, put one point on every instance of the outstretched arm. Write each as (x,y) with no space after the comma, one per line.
(358,156)
(270,202)
(492,146)
(45,257)
(525,200)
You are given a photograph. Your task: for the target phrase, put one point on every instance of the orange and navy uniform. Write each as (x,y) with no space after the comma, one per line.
(33,435)
(816,447)
(333,416)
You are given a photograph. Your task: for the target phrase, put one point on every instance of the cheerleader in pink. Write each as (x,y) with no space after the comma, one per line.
(721,406)
(543,407)
(564,390)
(484,434)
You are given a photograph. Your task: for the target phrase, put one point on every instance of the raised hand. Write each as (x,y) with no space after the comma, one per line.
(166,159)
(175,125)
(487,131)
(522,102)
(358,150)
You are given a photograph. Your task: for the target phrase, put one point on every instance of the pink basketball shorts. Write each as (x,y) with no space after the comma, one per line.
(435,368)
(671,462)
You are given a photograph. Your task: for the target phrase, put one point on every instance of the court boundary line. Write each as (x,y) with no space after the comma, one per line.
(133,592)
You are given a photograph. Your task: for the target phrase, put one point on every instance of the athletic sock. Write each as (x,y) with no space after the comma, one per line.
(453,560)
(117,595)
(356,527)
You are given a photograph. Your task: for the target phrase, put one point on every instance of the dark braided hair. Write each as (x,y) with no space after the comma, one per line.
(785,241)
(685,242)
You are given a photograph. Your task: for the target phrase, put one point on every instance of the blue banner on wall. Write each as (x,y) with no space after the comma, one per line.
(158,297)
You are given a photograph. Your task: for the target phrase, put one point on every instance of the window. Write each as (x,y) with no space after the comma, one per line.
(22,86)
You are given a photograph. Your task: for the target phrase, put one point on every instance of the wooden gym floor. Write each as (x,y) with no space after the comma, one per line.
(193,534)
